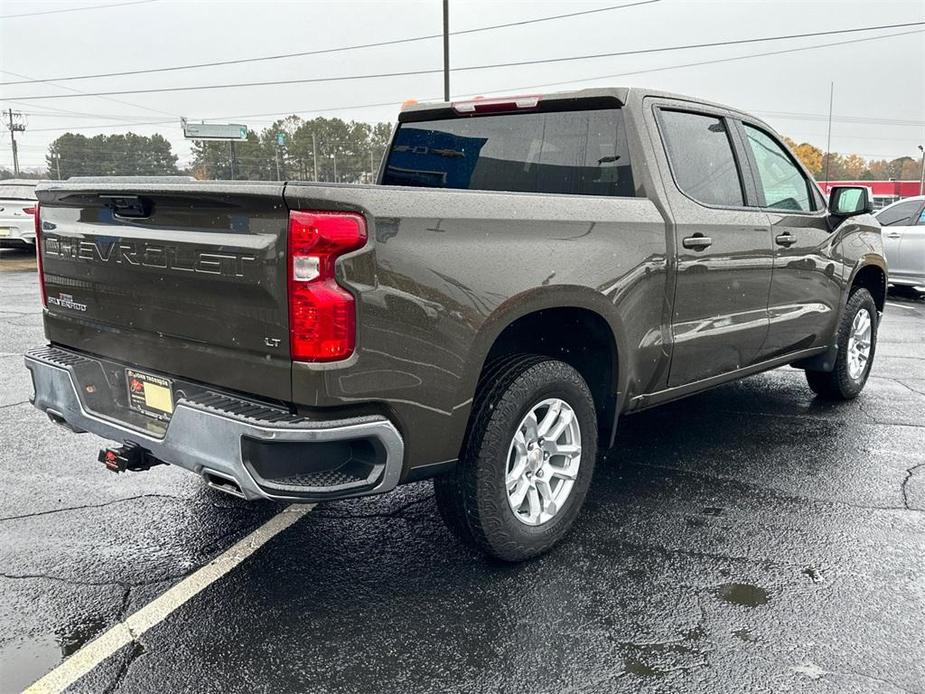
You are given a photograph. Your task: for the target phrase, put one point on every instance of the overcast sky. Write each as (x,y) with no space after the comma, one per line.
(880,80)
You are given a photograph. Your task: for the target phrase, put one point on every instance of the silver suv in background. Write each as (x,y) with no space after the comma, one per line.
(903,233)
(17,213)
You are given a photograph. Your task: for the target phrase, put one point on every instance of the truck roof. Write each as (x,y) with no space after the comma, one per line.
(606,97)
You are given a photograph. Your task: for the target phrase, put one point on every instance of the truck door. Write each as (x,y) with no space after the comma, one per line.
(723,246)
(806,291)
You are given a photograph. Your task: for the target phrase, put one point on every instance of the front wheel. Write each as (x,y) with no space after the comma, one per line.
(527,461)
(857,341)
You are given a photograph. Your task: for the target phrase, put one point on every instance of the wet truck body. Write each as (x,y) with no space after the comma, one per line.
(308,341)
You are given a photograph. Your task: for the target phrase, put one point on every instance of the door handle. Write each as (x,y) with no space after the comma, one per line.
(894,235)
(697,242)
(785,239)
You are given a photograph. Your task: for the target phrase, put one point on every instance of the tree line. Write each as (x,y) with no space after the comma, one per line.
(323,149)
(330,149)
(853,167)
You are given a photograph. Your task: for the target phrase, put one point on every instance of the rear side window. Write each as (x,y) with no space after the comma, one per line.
(701,158)
(783,184)
(901,214)
(567,152)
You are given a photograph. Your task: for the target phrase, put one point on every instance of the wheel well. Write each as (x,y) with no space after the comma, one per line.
(873,280)
(577,336)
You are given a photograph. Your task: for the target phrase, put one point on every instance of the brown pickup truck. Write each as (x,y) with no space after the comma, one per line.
(526,271)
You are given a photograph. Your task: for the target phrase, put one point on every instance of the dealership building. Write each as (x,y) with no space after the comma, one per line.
(883,192)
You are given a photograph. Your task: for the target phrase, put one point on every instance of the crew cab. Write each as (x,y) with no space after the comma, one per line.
(526,271)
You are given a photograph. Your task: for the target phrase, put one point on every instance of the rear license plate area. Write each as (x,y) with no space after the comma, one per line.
(149,394)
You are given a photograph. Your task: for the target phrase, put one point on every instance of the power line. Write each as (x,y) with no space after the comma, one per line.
(51,111)
(408,73)
(322,51)
(76,114)
(844,119)
(851,119)
(716,61)
(78,93)
(77,9)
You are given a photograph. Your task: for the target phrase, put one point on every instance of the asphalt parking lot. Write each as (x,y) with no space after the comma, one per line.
(747,539)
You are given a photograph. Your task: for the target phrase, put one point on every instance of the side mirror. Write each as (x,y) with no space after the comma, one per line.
(848,201)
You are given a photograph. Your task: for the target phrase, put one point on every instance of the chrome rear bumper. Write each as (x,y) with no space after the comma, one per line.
(222,437)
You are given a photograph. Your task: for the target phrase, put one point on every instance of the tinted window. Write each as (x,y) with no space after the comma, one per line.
(701,158)
(577,152)
(899,214)
(784,186)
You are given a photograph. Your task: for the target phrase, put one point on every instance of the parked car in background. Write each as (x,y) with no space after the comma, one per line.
(903,225)
(17,213)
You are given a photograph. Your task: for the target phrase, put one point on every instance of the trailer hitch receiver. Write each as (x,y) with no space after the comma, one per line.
(127,457)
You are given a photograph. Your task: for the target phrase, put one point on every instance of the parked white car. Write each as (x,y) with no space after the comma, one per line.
(903,232)
(17,213)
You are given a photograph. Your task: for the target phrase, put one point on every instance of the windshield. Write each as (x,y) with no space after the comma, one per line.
(569,152)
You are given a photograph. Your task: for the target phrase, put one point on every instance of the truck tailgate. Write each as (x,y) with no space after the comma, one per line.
(186,279)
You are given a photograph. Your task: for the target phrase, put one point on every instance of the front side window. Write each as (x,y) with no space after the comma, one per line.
(567,152)
(701,158)
(784,186)
(900,214)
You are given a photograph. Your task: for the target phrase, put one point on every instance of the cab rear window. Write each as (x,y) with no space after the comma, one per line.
(565,152)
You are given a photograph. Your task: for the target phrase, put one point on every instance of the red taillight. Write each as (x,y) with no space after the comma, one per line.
(322,314)
(498,105)
(37,212)
(29,210)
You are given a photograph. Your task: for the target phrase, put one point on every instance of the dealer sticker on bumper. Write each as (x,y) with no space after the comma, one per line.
(149,394)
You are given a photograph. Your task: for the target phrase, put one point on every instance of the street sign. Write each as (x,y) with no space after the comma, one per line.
(280,139)
(213,131)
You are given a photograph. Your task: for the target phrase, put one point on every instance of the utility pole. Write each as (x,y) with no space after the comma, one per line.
(314,159)
(16,124)
(446,50)
(334,157)
(922,175)
(828,145)
(58,165)
(372,172)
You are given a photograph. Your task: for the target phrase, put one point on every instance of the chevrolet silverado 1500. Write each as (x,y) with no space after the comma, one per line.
(525,272)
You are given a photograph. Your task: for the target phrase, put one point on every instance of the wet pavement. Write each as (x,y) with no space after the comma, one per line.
(748,539)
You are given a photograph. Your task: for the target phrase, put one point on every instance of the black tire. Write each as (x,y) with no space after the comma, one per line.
(838,383)
(472,499)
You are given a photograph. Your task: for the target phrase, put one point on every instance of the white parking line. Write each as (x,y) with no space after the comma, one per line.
(129,629)
(908,308)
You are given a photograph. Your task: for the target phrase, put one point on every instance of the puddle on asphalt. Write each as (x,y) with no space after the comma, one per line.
(744,635)
(812,574)
(744,594)
(657,659)
(634,666)
(23,661)
(695,634)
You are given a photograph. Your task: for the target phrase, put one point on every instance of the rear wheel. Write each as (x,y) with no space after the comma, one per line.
(857,342)
(527,461)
